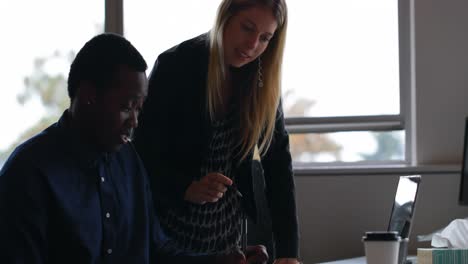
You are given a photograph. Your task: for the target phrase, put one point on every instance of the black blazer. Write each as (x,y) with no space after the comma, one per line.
(173,136)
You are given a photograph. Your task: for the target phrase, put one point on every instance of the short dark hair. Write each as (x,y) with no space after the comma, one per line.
(100,58)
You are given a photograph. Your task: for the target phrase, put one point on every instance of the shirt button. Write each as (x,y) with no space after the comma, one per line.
(109,251)
(107,215)
(102,179)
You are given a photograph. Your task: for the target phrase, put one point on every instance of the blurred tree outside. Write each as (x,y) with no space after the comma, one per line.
(50,87)
(389,147)
(304,146)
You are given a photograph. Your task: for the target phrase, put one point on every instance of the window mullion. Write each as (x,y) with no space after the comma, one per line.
(407,96)
(114,21)
(337,124)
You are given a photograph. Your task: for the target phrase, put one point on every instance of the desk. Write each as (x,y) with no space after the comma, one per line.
(362,260)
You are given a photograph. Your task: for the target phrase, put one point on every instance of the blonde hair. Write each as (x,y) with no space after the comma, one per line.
(258,104)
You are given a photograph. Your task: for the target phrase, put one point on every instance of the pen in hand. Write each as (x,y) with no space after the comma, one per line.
(233,186)
(244,222)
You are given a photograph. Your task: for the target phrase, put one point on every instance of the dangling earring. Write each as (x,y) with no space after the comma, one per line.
(260,73)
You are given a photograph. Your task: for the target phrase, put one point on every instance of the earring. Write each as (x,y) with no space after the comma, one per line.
(259,73)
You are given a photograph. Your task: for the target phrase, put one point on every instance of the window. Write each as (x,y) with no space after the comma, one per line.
(154,26)
(343,81)
(345,73)
(342,74)
(39,40)
(341,58)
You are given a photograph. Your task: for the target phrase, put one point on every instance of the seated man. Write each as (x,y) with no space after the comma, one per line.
(77,192)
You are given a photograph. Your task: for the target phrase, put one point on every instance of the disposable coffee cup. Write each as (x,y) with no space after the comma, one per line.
(381,247)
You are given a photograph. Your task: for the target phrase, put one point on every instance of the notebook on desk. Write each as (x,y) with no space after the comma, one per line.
(402,214)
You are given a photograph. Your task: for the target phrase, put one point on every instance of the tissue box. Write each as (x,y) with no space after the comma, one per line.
(442,256)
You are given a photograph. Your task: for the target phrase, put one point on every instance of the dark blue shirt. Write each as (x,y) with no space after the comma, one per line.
(61,202)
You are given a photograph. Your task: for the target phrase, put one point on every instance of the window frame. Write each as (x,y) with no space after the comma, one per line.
(114,22)
(402,121)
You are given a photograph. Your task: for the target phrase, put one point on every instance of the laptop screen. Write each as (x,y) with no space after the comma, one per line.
(404,204)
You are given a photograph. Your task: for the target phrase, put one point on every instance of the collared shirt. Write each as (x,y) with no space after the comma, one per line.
(60,202)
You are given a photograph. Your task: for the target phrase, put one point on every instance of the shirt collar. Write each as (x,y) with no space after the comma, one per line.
(86,155)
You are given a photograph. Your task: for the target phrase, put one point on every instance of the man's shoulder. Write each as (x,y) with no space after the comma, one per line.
(32,153)
(39,144)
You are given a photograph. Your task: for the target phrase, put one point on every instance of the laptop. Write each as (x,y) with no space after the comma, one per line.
(403,209)
(400,220)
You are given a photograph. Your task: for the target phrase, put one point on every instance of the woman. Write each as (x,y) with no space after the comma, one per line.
(212,100)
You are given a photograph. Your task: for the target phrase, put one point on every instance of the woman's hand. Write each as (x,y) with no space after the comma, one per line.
(286,261)
(236,257)
(209,189)
(256,254)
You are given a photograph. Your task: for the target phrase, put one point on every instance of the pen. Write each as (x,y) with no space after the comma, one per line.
(237,191)
(244,223)
(244,233)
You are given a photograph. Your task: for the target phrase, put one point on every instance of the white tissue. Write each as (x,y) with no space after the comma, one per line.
(455,235)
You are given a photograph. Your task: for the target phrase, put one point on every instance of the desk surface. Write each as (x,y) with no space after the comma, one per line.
(362,260)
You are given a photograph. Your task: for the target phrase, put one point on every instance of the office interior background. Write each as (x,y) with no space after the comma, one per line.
(372,90)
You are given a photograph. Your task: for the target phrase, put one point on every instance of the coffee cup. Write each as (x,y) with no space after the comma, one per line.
(381,247)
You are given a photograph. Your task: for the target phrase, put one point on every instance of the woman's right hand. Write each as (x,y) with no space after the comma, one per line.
(209,189)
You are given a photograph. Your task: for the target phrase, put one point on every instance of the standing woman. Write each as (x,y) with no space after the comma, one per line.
(213,99)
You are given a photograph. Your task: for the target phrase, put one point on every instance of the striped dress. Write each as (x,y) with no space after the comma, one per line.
(211,228)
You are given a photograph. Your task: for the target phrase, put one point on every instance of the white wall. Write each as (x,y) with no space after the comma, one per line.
(334,211)
(441,79)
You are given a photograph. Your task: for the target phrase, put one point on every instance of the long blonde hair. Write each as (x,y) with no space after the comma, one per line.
(258,104)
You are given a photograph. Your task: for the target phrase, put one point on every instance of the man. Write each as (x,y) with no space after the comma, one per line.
(77,192)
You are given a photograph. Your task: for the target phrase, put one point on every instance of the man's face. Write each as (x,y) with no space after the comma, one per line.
(117,109)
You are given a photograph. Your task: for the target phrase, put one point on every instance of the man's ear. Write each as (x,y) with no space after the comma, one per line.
(87,93)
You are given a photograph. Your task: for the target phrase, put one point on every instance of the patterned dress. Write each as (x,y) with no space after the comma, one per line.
(211,228)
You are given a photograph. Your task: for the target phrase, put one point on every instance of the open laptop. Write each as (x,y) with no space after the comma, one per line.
(400,220)
(403,209)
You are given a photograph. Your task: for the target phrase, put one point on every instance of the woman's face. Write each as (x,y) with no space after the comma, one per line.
(247,34)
